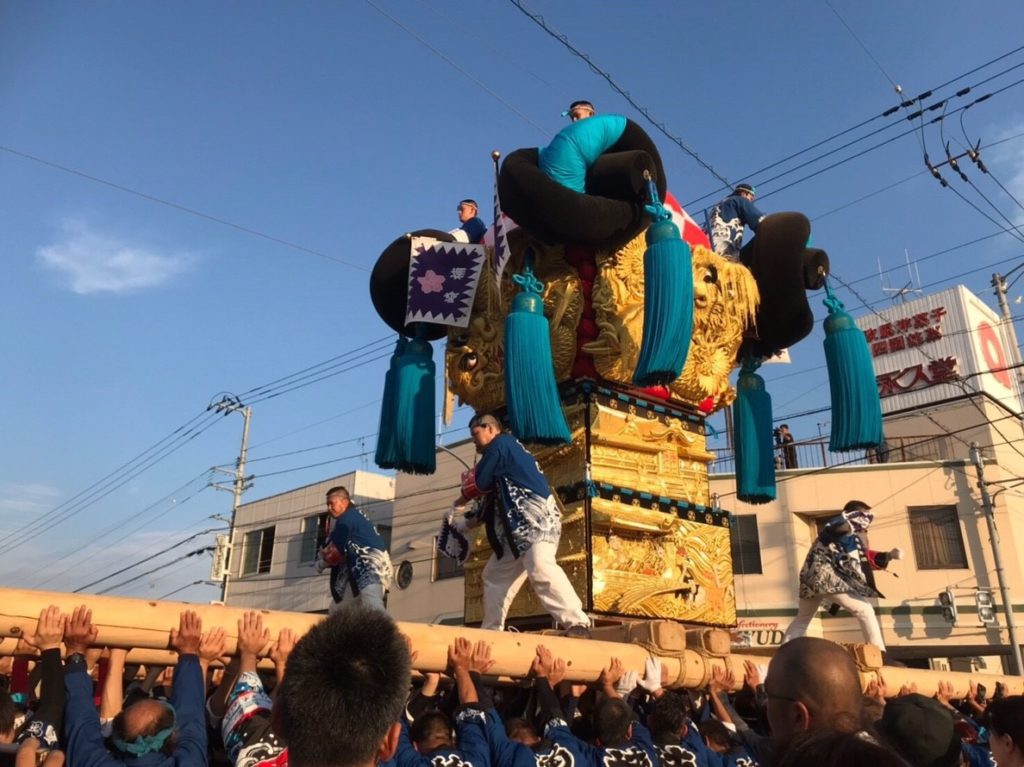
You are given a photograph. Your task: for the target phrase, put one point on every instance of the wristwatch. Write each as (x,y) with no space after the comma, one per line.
(76,657)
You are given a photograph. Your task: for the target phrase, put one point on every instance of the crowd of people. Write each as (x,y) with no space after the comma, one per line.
(346,695)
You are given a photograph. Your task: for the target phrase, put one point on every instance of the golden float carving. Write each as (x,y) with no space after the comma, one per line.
(653,564)
(725,302)
(475,356)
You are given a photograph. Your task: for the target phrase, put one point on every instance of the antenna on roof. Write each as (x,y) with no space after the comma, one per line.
(912,285)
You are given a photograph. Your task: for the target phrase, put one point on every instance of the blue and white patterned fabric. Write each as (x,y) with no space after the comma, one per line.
(525,512)
(368,566)
(726,223)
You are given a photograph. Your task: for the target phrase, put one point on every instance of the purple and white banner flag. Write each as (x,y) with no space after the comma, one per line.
(501,250)
(443,278)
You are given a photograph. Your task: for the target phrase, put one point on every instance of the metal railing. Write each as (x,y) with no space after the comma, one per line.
(814,453)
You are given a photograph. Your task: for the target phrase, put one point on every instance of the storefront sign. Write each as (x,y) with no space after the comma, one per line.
(906,332)
(919,376)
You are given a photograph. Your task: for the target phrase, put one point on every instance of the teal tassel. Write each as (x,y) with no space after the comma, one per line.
(856,407)
(535,411)
(414,374)
(668,301)
(752,419)
(386,456)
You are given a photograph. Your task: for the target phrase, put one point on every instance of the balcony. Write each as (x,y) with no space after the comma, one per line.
(814,453)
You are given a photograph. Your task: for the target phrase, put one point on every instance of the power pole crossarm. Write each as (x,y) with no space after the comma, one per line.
(997,558)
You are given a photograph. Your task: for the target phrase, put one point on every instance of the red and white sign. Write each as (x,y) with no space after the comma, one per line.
(938,348)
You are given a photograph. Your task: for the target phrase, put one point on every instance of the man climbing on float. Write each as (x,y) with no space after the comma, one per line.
(839,569)
(727,219)
(523,526)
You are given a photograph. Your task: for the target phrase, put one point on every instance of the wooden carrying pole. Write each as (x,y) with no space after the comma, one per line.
(139,623)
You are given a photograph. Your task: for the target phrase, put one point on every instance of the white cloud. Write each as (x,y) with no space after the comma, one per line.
(27,498)
(98,263)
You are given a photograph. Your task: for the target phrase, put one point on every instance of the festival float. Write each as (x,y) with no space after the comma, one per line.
(598,323)
(600,326)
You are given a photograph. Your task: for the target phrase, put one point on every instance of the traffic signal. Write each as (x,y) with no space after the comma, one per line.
(948,605)
(986,607)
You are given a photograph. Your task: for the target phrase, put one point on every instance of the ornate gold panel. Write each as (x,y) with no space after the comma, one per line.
(654,564)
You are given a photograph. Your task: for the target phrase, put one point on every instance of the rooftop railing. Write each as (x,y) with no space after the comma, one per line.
(814,453)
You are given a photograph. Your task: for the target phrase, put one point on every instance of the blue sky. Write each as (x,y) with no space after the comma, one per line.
(336,127)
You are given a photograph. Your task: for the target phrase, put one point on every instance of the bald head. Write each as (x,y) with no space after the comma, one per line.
(812,684)
(145,719)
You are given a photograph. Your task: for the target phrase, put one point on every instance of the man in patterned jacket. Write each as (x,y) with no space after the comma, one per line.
(523,527)
(839,570)
(727,219)
(356,553)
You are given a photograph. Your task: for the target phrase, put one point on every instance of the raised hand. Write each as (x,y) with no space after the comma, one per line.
(79,633)
(187,637)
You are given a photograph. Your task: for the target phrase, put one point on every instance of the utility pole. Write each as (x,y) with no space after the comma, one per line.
(1009,332)
(997,558)
(241,483)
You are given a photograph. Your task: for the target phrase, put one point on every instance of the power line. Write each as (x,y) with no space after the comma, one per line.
(314,424)
(148,558)
(180,207)
(887,113)
(75,551)
(540,22)
(116,479)
(196,552)
(860,42)
(455,66)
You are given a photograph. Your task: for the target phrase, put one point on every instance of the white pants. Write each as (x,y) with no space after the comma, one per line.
(504,577)
(858,606)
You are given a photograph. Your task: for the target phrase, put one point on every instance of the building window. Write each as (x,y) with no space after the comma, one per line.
(385,533)
(314,536)
(746,545)
(938,543)
(259,551)
(446,567)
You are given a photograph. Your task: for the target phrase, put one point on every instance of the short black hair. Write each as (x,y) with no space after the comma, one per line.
(485,419)
(669,715)
(715,732)
(836,748)
(430,725)
(612,719)
(517,725)
(581,103)
(856,506)
(1007,718)
(344,687)
(343,491)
